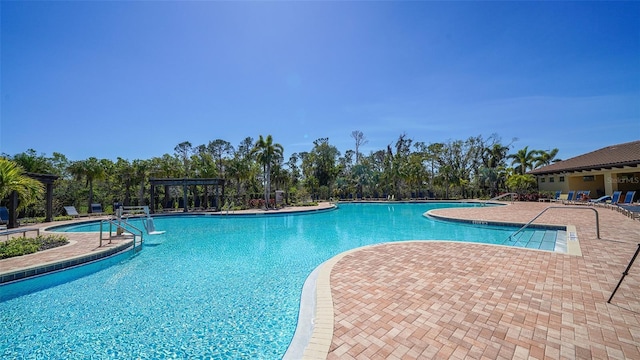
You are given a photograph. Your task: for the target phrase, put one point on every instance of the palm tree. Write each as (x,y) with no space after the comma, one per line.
(267,152)
(31,162)
(494,156)
(90,169)
(524,159)
(13,178)
(545,158)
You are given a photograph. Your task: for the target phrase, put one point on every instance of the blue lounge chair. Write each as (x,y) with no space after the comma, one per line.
(626,203)
(628,198)
(569,197)
(613,199)
(632,211)
(4,217)
(616,197)
(583,196)
(556,196)
(96,209)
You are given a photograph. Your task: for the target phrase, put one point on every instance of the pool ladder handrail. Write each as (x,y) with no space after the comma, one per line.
(484,203)
(559,207)
(123,213)
(124,225)
(228,206)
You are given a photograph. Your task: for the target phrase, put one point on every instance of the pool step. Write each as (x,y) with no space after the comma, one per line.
(549,240)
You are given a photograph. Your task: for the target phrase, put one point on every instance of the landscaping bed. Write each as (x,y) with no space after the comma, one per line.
(18,246)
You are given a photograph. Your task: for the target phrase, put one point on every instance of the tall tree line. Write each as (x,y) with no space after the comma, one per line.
(253,169)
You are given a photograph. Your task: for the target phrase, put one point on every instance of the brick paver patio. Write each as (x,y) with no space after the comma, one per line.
(449,300)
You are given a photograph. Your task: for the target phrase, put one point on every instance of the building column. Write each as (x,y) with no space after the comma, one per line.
(610,183)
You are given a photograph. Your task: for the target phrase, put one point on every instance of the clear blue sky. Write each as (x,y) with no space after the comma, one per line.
(133,79)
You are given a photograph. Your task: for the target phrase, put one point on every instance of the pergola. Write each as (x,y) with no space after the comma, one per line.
(48,181)
(185,182)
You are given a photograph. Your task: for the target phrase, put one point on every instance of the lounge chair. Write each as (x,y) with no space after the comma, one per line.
(628,198)
(601,200)
(555,198)
(71,211)
(582,196)
(4,217)
(627,207)
(96,209)
(570,197)
(616,197)
(632,211)
(613,202)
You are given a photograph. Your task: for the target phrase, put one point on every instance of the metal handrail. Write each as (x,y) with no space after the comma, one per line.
(560,207)
(625,273)
(500,197)
(127,223)
(123,225)
(228,207)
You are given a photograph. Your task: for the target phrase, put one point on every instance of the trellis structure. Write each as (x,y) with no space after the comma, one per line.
(47,180)
(185,183)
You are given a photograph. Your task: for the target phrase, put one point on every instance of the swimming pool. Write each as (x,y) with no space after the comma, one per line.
(210,287)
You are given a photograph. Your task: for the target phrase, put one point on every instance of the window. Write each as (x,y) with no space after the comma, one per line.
(552,179)
(588,178)
(542,180)
(561,179)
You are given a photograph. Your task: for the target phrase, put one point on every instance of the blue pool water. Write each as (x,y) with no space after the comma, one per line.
(211,286)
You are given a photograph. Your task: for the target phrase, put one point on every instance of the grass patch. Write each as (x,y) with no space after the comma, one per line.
(18,246)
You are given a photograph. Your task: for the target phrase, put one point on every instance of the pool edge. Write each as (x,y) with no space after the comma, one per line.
(56,265)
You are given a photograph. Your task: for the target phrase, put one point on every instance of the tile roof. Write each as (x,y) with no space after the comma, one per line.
(627,154)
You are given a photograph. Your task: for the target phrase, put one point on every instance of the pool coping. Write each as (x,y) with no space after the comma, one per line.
(245,213)
(570,244)
(492,222)
(52,266)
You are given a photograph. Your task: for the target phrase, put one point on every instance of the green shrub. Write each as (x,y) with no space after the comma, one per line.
(18,246)
(310,203)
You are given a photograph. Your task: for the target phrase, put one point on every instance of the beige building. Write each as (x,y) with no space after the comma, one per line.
(613,168)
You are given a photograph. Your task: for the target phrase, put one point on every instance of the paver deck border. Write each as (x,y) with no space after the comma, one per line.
(52,266)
